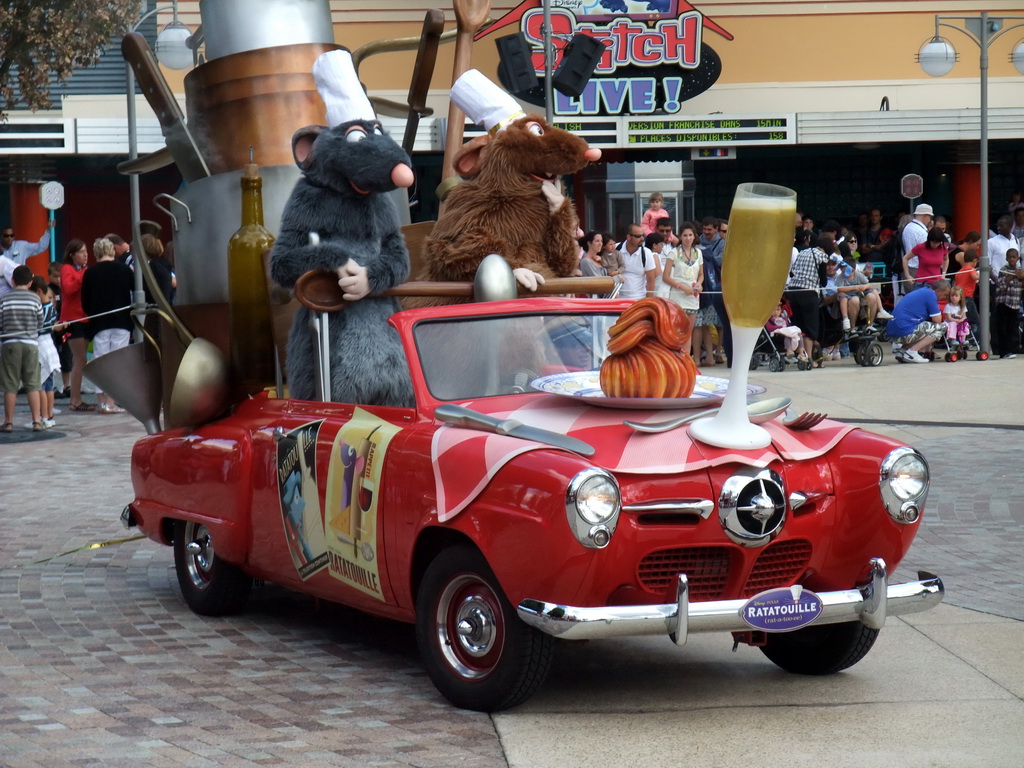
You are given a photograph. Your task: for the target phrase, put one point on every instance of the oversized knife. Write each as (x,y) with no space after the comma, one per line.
(460,416)
(184,150)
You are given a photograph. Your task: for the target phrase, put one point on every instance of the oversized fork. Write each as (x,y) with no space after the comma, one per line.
(804,420)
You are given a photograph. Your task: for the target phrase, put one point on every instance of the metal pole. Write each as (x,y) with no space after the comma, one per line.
(984,264)
(549,88)
(139,293)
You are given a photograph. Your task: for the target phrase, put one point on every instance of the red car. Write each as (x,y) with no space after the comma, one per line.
(513,506)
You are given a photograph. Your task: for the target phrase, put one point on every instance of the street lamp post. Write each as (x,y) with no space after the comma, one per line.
(172,51)
(937,57)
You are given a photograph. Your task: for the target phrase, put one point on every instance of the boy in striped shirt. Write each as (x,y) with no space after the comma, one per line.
(21,317)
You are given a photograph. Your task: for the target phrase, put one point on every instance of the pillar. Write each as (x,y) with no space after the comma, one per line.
(967,199)
(29,220)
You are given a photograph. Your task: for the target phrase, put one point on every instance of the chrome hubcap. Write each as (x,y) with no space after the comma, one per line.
(467,629)
(475,628)
(200,554)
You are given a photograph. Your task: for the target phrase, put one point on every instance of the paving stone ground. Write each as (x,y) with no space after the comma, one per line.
(102,664)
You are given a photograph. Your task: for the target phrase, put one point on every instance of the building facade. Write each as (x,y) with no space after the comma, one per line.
(687,99)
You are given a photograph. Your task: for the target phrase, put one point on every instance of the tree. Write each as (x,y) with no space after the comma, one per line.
(43,40)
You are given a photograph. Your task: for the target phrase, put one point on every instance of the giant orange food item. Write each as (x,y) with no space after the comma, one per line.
(648,352)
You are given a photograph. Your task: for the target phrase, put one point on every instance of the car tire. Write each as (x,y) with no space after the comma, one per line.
(211,586)
(821,650)
(498,661)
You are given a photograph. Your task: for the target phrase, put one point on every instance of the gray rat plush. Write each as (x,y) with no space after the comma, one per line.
(346,171)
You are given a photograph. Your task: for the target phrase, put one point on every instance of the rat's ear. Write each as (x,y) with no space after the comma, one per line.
(470,158)
(302,145)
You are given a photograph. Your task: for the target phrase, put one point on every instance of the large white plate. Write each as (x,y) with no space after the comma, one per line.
(708,391)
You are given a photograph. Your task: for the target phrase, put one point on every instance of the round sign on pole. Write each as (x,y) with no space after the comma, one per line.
(911,186)
(51,195)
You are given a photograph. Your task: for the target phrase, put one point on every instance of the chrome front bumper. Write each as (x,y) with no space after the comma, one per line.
(870,604)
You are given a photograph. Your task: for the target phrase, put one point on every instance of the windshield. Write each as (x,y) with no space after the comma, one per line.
(483,357)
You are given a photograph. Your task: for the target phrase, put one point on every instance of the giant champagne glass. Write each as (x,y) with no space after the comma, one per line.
(754,269)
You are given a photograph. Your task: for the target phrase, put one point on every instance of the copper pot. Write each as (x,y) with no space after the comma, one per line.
(254,98)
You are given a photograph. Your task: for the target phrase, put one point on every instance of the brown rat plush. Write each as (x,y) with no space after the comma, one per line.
(511,205)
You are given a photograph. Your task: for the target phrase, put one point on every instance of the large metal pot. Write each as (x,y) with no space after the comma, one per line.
(232,26)
(214,205)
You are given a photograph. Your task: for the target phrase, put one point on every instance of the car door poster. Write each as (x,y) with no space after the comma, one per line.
(300,499)
(353,477)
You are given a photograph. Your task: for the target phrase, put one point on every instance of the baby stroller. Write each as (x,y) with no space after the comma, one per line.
(832,333)
(770,351)
(956,351)
(866,344)
(767,352)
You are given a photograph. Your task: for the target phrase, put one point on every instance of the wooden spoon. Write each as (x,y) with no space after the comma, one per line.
(319,289)
(469,17)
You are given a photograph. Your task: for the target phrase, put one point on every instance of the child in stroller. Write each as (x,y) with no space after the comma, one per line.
(778,330)
(954,315)
(960,338)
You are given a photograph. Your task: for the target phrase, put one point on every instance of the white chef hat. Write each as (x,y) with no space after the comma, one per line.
(485,103)
(339,87)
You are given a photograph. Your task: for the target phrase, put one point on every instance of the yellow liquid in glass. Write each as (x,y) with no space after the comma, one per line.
(755,264)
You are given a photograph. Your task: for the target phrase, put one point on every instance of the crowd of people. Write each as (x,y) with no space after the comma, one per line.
(48,324)
(904,277)
(845,281)
(655,258)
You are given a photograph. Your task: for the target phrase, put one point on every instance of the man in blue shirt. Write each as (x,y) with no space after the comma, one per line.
(712,246)
(916,322)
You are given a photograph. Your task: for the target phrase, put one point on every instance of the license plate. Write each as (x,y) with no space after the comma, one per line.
(781,610)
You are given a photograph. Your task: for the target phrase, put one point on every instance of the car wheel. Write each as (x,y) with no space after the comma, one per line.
(477,651)
(210,586)
(820,650)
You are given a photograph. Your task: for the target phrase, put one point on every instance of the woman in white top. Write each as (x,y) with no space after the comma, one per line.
(684,273)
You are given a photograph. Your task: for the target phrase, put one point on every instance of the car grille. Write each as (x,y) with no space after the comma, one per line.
(707,569)
(778,566)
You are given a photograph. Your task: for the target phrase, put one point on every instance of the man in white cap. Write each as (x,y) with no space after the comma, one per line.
(915,233)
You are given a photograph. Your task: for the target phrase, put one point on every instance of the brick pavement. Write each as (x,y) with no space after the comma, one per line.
(102,664)
(973,531)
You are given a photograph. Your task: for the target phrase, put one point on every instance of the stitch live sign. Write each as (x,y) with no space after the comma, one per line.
(655,56)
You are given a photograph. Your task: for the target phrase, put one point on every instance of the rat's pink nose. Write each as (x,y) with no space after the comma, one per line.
(402,176)
(593,154)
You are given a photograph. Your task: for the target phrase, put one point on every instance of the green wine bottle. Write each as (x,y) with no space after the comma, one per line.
(252,335)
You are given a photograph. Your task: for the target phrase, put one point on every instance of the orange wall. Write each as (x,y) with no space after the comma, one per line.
(831,47)
(826,42)
(29,220)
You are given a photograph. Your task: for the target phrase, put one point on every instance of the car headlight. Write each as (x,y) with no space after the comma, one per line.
(592,504)
(903,482)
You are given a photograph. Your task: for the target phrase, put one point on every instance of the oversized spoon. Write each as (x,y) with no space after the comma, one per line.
(758,412)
